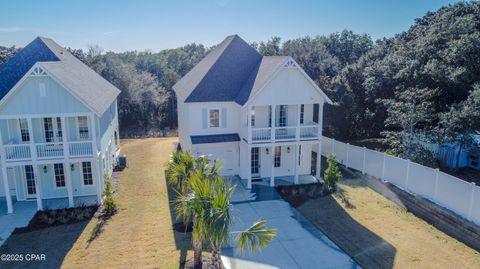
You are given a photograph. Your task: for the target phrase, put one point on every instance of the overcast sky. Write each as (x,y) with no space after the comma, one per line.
(142,24)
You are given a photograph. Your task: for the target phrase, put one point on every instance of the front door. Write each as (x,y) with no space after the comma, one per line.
(255,162)
(30,182)
(52,129)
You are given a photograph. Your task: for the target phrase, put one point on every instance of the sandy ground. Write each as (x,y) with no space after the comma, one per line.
(139,236)
(379,234)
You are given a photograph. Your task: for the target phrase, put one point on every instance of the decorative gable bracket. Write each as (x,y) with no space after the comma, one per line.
(290,64)
(38,72)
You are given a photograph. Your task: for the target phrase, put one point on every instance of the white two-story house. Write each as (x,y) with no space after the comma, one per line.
(58,128)
(260,116)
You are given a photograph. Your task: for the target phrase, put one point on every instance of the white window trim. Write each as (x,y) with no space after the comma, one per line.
(82,174)
(55,179)
(20,132)
(219,118)
(78,128)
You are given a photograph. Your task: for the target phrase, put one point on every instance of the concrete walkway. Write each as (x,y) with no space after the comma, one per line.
(23,213)
(298,243)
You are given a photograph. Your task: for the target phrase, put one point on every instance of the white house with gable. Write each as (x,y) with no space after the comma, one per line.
(58,128)
(261,116)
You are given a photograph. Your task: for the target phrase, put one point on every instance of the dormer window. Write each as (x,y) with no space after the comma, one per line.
(214,117)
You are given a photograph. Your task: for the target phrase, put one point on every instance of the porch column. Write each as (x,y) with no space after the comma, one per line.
(298,122)
(295,164)
(98,175)
(38,187)
(272,172)
(249,174)
(320,119)
(33,150)
(319,159)
(68,183)
(249,123)
(8,197)
(66,152)
(272,124)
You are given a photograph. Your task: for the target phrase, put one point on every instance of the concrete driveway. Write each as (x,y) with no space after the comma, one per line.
(298,243)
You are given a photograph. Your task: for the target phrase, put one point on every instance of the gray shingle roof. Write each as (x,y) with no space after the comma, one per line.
(16,67)
(85,83)
(232,72)
(221,75)
(217,138)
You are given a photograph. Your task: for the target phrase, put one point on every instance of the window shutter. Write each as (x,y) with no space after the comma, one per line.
(224,117)
(205,118)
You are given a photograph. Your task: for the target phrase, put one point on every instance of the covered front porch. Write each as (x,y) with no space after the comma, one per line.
(280,163)
(51,185)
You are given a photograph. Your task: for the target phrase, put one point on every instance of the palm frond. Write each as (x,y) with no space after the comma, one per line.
(256,237)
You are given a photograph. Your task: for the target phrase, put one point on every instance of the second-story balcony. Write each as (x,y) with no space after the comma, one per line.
(47,138)
(291,123)
(22,152)
(286,133)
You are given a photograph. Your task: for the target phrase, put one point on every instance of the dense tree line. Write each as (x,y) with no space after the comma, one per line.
(397,89)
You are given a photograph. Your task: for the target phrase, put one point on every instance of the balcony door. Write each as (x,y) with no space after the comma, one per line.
(52,128)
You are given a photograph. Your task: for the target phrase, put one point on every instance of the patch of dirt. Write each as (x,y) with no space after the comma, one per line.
(379,234)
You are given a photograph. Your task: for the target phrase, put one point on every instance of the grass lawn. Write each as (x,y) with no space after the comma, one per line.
(379,234)
(139,236)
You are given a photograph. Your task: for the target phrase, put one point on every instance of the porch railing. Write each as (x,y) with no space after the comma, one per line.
(285,133)
(80,148)
(17,152)
(309,131)
(261,134)
(49,150)
(21,152)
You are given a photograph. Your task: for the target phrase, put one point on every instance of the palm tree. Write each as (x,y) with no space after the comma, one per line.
(188,207)
(181,166)
(210,199)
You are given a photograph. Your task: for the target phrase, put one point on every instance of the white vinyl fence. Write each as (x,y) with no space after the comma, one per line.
(450,192)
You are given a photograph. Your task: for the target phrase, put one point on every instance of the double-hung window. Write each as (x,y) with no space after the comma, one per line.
(59,175)
(87,173)
(214,117)
(23,124)
(278,155)
(83,127)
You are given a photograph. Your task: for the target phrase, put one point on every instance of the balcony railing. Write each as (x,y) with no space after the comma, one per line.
(287,133)
(49,150)
(17,152)
(22,152)
(80,149)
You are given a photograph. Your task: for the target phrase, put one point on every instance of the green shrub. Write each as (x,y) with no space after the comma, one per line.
(332,174)
(109,203)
